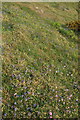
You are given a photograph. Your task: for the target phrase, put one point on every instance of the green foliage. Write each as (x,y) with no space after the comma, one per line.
(53,23)
(69,34)
(54,5)
(39,69)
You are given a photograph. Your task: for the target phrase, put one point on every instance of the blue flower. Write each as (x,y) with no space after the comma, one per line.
(35,105)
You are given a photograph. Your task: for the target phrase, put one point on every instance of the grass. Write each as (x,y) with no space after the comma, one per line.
(40,61)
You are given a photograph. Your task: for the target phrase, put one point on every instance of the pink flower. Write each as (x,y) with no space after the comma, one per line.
(56,96)
(50,113)
(50,116)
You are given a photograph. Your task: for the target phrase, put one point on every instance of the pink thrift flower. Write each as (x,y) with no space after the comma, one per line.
(56,96)
(50,113)
(50,116)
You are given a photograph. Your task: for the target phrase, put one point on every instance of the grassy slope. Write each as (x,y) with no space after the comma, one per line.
(39,60)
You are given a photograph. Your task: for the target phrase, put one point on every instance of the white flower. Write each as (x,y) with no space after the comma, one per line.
(62,99)
(71,95)
(56,71)
(15,94)
(15,103)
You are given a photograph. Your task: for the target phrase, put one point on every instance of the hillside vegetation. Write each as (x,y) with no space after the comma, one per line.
(40,60)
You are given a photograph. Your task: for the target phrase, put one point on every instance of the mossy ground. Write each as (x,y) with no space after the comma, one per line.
(40,60)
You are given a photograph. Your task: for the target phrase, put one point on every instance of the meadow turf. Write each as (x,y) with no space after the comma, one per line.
(40,60)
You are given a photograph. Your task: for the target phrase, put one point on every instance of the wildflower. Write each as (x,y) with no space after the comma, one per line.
(25,87)
(56,71)
(32,93)
(63,102)
(76,100)
(5,114)
(71,74)
(67,74)
(66,89)
(62,99)
(35,105)
(25,93)
(14,114)
(15,109)
(29,109)
(13,75)
(28,92)
(71,95)
(15,103)
(56,96)
(50,116)
(69,98)
(15,94)
(64,66)
(50,113)
(53,90)
(23,81)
